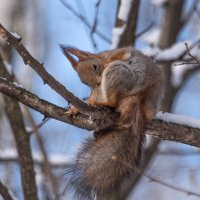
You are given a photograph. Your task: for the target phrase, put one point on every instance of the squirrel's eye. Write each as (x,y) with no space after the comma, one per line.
(94,66)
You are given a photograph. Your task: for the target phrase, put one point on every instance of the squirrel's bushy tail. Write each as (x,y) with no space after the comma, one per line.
(105,163)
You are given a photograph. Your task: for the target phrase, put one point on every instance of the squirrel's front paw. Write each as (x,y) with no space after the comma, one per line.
(72,111)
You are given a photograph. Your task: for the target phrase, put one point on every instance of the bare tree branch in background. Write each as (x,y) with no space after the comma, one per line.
(188,15)
(46,168)
(22,142)
(4,192)
(85,21)
(95,23)
(128,36)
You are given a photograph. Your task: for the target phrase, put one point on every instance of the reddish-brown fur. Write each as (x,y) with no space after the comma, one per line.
(131,83)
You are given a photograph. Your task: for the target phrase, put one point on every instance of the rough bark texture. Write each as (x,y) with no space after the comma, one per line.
(171,27)
(22,142)
(128,36)
(23,148)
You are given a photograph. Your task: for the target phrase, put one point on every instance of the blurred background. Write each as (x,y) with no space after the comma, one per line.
(161,30)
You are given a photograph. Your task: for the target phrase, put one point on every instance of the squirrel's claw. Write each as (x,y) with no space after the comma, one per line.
(72,111)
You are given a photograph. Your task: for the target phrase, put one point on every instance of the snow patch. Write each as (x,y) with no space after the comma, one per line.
(8,153)
(151,52)
(152,37)
(124,9)
(17,85)
(117,32)
(14,34)
(173,52)
(158,2)
(28,129)
(177,73)
(3,78)
(54,159)
(123,13)
(178,119)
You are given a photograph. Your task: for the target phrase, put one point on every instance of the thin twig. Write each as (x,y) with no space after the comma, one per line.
(197,12)
(188,16)
(95,23)
(188,192)
(83,15)
(145,30)
(179,153)
(85,21)
(188,51)
(46,165)
(153,179)
(39,126)
(181,56)
(4,192)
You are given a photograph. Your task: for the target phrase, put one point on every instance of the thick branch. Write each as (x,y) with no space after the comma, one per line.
(157,128)
(174,132)
(53,111)
(128,36)
(15,118)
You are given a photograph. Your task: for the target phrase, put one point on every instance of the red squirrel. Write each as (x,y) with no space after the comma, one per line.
(130,83)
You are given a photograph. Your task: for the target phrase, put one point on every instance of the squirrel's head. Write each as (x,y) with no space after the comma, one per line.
(88,66)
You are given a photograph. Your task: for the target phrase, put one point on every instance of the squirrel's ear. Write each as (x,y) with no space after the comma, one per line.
(69,57)
(81,55)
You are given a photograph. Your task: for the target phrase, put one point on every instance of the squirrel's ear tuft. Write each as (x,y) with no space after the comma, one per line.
(81,55)
(67,52)
(63,47)
(66,48)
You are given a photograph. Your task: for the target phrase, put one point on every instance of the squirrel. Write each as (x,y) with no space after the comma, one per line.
(130,83)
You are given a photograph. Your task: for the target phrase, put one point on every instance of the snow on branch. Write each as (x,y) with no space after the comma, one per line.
(178,119)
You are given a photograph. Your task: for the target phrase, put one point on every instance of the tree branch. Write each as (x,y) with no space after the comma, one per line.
(46,77)
(128,36)
(53,111)
(15,118)
(157,128)
(4,192)
(168,131)
(45,166)
(85,21)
